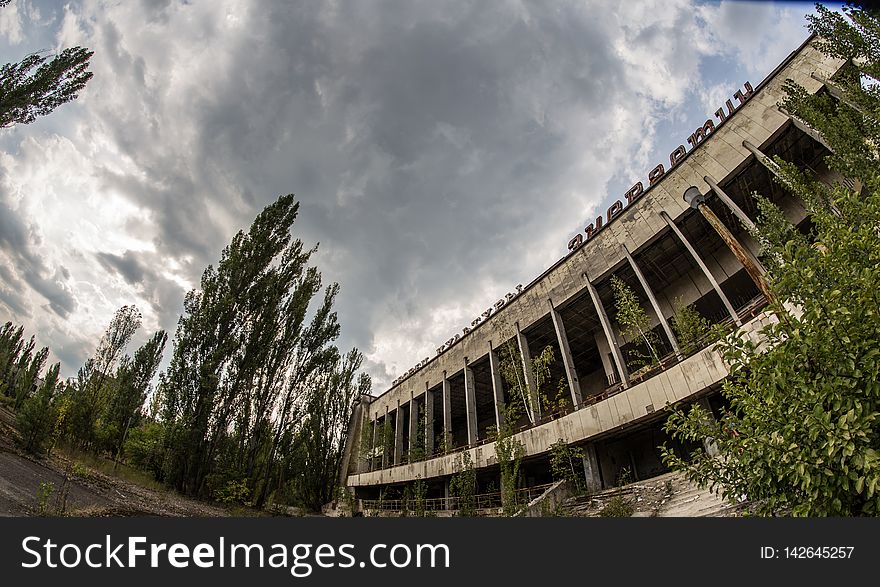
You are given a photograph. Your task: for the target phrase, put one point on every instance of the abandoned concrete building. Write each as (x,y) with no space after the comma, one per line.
(671,245)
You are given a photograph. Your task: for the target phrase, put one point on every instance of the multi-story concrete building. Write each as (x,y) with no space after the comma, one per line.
(670,251)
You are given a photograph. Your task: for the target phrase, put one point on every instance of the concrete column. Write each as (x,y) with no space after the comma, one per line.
(702,266)
(429,421)
(653,300)
(413,425)
(373,447)
(529,372)
(731,205)
(839,94)
(753,267)
(804,128)
(568,362)
(497,388)
(447,414)
(709,444)
(470,401)
(609,333)
(764,160)
(398,434)
(602,347)
(592,474)
(385,422)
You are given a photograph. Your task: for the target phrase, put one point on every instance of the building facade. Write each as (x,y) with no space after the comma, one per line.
(595,394)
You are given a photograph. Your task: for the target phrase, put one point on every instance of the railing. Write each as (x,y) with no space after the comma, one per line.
(746,312)
(482,501)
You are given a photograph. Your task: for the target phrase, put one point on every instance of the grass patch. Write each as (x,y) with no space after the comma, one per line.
(105,466)
(617,507)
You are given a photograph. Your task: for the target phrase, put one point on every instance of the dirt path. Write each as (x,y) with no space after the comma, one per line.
(83,491)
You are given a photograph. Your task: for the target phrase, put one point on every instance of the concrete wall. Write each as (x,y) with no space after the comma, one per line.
(681,381)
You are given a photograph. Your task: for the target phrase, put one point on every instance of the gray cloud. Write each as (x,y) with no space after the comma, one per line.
(21,244)
(442,152)
(127,265)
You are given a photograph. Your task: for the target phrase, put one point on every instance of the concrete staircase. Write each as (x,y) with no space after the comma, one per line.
(689,501)
(667,496)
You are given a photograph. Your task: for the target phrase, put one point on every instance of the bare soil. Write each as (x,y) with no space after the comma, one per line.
(80,490)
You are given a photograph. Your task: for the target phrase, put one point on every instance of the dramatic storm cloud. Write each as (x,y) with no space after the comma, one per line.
(443,152)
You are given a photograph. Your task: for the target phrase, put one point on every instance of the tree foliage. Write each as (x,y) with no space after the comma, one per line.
(802,436)
(463,485)
(34,86)
(36,417)
(93,387)
(255,390)
(634,322)
(692,329)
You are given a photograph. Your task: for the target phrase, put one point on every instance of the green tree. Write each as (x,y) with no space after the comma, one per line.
(34,87)
(802,434)
(246,362)
(36,418)
(321,439)
(634,321)
(691,328)
(91,393)
(11,346)
(27,373)
(567,462)
(463,485)
(509,451)
(521,402)
(130,389)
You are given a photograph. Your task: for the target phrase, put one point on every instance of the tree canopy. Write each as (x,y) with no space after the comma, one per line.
(36,85)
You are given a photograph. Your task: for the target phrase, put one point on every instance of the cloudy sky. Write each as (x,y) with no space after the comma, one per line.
(443,152)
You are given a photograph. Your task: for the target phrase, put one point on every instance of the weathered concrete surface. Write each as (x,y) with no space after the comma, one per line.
(682,381)
(666,496)
(548,502)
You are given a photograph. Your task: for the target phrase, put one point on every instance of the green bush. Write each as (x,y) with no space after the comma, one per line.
(617,507)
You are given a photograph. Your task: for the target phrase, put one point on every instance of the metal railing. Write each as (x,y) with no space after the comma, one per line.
(481,501)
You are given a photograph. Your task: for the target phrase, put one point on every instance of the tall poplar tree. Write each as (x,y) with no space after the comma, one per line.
(34,86)
(244,354)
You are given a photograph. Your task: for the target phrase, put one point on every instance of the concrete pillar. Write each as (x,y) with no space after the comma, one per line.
(497,388)
(764,160)
(709,444)
(609,333)
(385,422)
(592,474)
(447,494)
(731,205)
(470,401)
(413,426)
(839,94)
(398,434)
(603,349)
(526,356)
(570,371)
(429,421)
(753,267)
(806,129)
(653,300)
(373,447)
(702,266)
(447,414)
